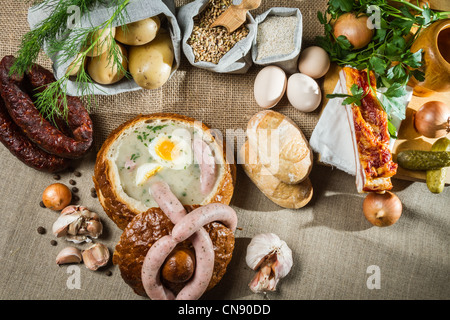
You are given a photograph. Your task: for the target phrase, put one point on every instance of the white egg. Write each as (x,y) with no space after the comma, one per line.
(171,151)
(303,92)
(314,62)
(270,86)
(145,172)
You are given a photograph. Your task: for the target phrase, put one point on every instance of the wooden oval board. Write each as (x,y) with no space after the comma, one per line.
(408,138)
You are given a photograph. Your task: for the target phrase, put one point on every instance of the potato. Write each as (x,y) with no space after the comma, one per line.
(139,32)
(280,145)
(291,196)
(103,44)
(151,64)
(76,65)
(103,70)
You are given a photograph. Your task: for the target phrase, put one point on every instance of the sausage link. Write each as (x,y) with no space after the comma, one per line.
(78,120)
(153,261)
(20,146)
(204,266)
(201,241)
(23,112)
(205,159)
(167,201)
(156,256)
(202,216)
(38,78)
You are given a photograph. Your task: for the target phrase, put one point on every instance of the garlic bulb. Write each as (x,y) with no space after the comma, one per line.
(272,258)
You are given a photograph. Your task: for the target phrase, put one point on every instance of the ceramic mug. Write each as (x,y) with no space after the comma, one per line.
(435,44)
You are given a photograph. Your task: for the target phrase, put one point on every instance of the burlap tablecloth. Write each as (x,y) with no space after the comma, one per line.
(335,249)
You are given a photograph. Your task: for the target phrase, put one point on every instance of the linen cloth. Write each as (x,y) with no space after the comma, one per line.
(136,10)
(287,62)
(335,250)
(236,61)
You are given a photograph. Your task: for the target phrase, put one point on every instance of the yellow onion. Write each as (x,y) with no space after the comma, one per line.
(382,209)
(56,196)
(432,120)
(354,28)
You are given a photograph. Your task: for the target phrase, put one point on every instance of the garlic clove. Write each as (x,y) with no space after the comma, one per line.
(90,215)
(75,226)
(94,228)
(77,238)
(72,209)
(61,225)
(96,256)
(69,255)
(77,223)
(282,266)
(263,281)
(272,258)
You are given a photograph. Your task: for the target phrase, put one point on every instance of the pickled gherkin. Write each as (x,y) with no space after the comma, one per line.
(436,178)
(423,160)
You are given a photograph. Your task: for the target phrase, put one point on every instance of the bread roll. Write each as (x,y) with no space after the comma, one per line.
(119,204)
(150,226)
(280,145)
(291,196)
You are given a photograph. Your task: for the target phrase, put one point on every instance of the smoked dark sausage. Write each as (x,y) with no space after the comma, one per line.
(23,112)
(26,151)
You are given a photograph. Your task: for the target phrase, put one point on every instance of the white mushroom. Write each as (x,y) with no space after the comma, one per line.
(272,258)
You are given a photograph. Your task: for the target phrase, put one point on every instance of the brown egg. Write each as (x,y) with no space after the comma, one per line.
(314,62)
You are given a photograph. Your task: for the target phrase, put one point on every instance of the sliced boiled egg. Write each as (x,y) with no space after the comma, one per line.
(172,151)
(145,172)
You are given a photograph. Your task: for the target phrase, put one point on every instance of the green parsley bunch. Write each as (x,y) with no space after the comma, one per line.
(388,54)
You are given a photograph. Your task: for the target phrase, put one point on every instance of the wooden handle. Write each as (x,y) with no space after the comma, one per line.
(236,15)
(249,4)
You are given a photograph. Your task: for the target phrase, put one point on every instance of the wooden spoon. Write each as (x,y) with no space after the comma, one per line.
(236,15)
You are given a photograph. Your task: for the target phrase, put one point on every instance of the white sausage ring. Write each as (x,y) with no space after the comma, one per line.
(186,226)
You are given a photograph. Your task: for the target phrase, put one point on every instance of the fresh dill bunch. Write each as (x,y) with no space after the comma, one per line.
(52,102)
(51,30)
(54,33)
